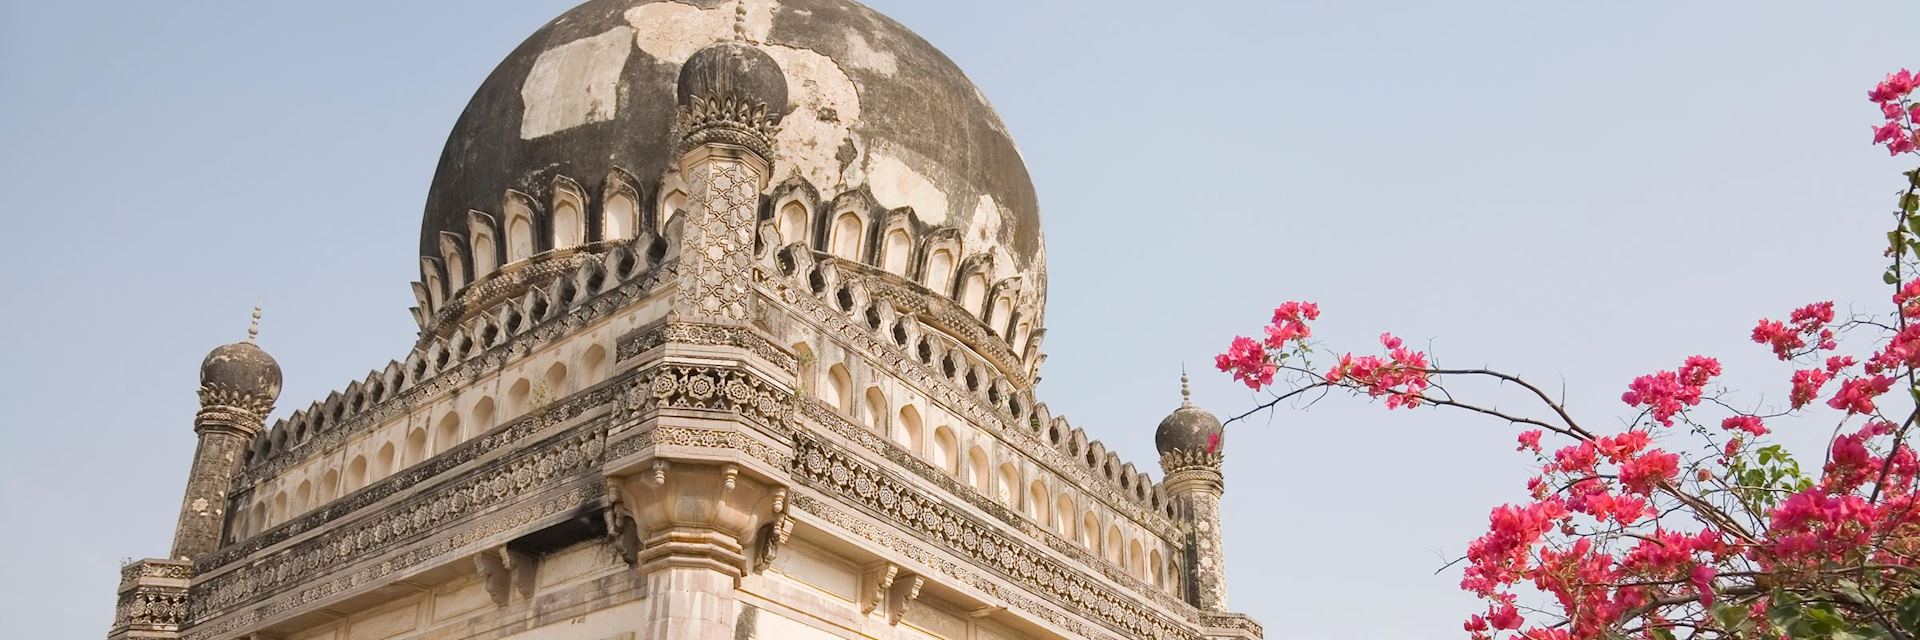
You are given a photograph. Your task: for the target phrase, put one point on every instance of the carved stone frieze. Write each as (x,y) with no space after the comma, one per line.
(538,468)
(969,405)
(502,437)
(707,388)
(400,401)
(824,467)
(653,336)
(824,416)
(322,582)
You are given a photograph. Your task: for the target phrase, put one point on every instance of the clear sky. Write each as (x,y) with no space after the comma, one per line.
(1579,192)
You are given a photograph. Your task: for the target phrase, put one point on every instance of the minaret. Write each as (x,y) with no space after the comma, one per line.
(731,97)
(238,385)
(1191,448)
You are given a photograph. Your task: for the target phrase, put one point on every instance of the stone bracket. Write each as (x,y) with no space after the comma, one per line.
(505,570)
(774,534)
(878,580)
(905,591)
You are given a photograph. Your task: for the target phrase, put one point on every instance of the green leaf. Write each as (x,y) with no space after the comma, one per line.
(1908,614)
(1663,634)
(1890,277)
(1910,203)
(1731,617)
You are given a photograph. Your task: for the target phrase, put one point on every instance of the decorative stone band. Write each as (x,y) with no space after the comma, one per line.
(510,281)
(968,405)
(707,388)
(825,417)
(824,467)
(214,395)
(153,598)
(569,458)
(1178,460)
(655,335)
(320,583)
(505,437)
(403,394)
(245,422)
(730,120)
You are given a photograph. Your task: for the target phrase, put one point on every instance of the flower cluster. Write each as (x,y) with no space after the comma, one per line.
(1893,95)
(1788,340)
(1666,393)
(1254,362)
(1401,376)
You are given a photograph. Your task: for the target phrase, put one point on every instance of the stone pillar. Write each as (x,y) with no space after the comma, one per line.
(716,245)
(224,435)
(1195,485)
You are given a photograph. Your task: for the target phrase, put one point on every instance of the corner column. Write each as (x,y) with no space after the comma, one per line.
(1195,484)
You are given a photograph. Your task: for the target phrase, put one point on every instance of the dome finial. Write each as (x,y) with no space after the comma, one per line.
(740,21)
(253,328)
(1186,392)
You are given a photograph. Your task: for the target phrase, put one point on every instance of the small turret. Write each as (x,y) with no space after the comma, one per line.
(239,383)
(1192,446)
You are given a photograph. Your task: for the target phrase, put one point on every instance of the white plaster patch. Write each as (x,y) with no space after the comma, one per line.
(672,32)
(824,103)
(895,184)
(984,227)
(862,55)
(574,84)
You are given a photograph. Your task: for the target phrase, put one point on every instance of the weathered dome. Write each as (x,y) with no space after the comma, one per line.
(240,374)
(874,116)
(1189,428)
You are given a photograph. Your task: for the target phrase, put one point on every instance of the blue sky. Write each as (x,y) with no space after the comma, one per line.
(1579,192)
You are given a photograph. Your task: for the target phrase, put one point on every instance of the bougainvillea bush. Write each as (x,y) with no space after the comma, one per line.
(1687,522)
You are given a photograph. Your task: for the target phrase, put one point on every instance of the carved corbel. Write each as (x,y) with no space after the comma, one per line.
(774,534)
(905,591)
(660,472)
(503,571)
(622,532)
(879,581)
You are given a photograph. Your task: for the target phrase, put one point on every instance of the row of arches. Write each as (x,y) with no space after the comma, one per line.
(414,439)
(858,230)
(526,228)
(968,456)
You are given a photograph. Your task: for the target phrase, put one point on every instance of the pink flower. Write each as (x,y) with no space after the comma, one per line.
(1642,474)
(1702,579)
(1530,441)
(1749,424)
(1896,86)
(1505,618)
(1856,395)
(1248,363)
(1666,393)
(1806,386)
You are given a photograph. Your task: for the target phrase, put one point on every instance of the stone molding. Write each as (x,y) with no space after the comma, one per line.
(401,392)
(832,471)
(989,418)
(822,415)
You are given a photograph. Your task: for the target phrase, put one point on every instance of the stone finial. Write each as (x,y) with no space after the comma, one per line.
(253,328)
(1186,391)
(740,20)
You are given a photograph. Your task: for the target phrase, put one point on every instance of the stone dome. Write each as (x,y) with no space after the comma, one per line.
(241,375)
(1189,428)
(874,118)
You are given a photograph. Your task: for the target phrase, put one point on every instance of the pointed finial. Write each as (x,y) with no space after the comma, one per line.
(1186,392)
(253,328)
(740,20)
